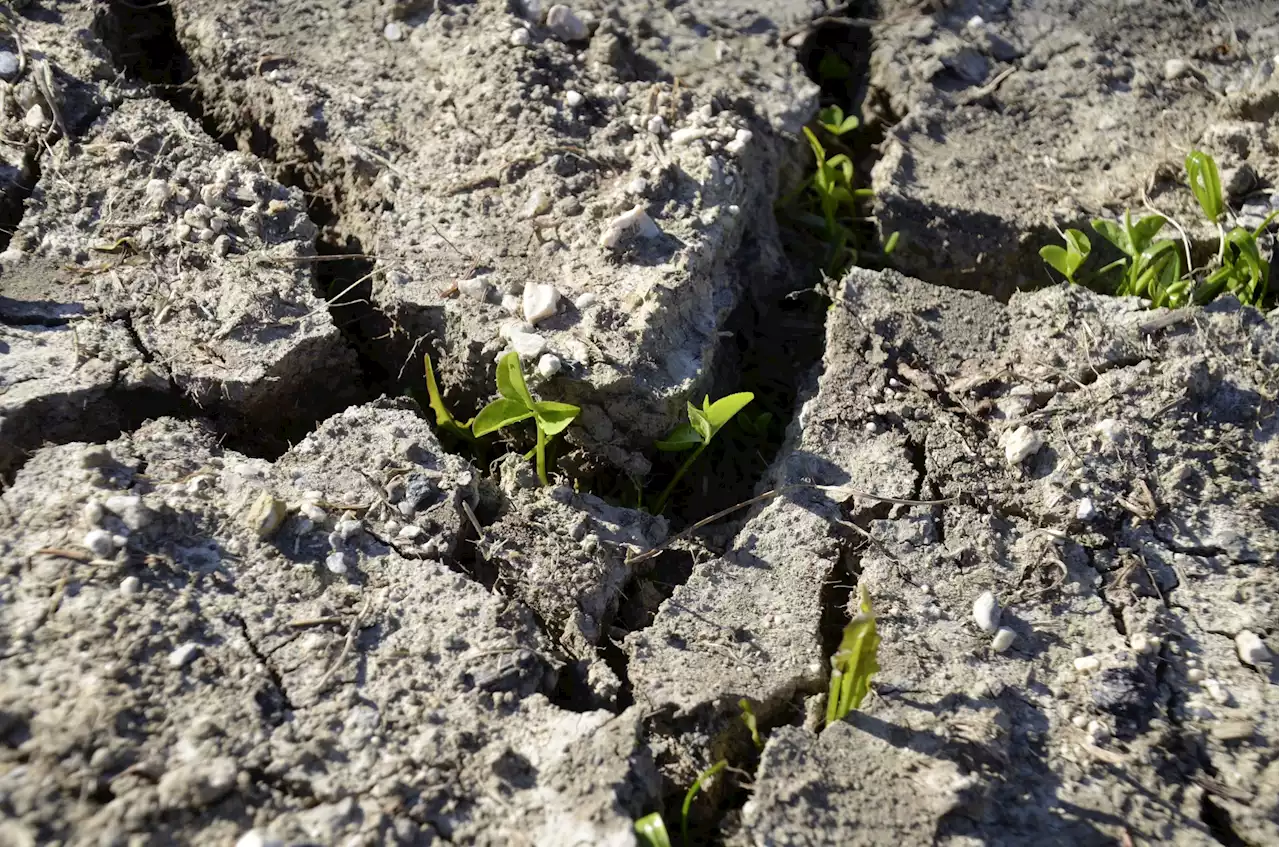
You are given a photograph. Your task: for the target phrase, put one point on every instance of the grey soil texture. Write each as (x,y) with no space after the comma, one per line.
(245,600)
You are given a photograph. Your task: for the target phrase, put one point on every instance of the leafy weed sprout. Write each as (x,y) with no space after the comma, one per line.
(651,828)
(1152,268)
(516,404)
(749,718)
(854,662)
(444,420)
(695,435)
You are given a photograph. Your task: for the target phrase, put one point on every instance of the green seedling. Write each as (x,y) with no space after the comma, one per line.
(516,404)
(693,792)
(832,184)
(1202,176)
(652,831)
(1068,260)
(444,420)
(854,662)
(703,425)
(749,718)
(1153,268)
(834,121)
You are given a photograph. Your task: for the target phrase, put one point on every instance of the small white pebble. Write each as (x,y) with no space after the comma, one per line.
(1250,649)
(312,512)
(584,301)
(638,186)
(540,301)
(511,304)
(529,345)
(567,25)
(336,562)
(222,246)
(157,192)
(411,533)
(688,135)
(1217,691)
(183,654)
(130,586)
(1020,443)
(1110,428)
(1176,69)
(986,612)
(657,125)
(347,528)
(1086,664)
(1079,721)
(548,365)
(870,426)
(93,513)
(537,204)
(254,838)
(35,117)
(1085,509)
(1003,639)
(393,32)
(474,289)
(734,209)
(635,220)
(520,37)
(99,543)
(1195,675)
(573,99)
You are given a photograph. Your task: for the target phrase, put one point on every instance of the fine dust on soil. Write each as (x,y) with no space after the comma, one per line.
(244,602)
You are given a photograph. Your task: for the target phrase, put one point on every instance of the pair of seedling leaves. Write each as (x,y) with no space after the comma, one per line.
(515,404)
(1153,269)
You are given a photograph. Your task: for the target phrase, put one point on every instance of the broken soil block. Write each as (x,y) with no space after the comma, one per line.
(1005,122)
(146,223)
(186,661)
(522,182)
(564,554)
(1108,475)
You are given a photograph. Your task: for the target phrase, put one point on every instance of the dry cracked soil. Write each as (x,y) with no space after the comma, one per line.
(251,594)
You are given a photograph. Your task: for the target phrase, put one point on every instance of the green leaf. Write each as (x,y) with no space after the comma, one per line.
(1112,231)
(693,792)
(854,662)
(553,417)
(1078,246)
(444,420)
(819,152)
(501,413)
(722,411)
(683,437)
(652,831)
(698,420)
(1202,174)
(1144,230)
(1056,258)
(891,243)
(511,383)
(749,718)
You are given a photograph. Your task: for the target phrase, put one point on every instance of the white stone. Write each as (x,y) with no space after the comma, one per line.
(986,612)
(254,838)
(1086,664)
(1251,649)
(573,99)
(347,528)
(410,533)
(584,301)
(638,186)
(98,542)
(529,345)
(8,64)
(1085,509)
(35,117)
(566,25)
(740,141)
(688,135)
(93,513)
(1110,428)
(657,125)
(1003,639)
(130,509)
(537,204)
(511,303)
(183,654)
(336,562)
(1195,675)
(549,365)
(157,192)
(474,289)
(635,220)
(393,32)
(1020,443)
(520,37)
(1218,692)
(540,301)
(130,586)
(1176,69)
(312,512)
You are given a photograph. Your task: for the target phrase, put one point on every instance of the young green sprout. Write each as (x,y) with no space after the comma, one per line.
(652,831)
(444,420)
(516,404)
(834,121)
(854,662)
(703,425)
(693,792)
(749,718)
(1068,260)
